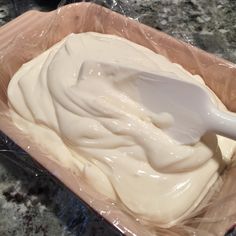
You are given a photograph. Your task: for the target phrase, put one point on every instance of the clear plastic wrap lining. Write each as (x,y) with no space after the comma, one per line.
(34,32)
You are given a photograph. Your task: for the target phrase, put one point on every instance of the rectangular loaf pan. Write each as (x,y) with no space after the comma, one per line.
(32,33)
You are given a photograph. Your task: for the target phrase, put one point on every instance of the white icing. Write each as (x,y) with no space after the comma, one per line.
(92,126)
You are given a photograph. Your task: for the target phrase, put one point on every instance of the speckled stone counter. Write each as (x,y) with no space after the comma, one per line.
(32,202)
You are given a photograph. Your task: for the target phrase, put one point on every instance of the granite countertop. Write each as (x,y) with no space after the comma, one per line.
(32,202)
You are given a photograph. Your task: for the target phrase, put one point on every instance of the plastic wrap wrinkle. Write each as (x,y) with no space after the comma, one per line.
(27,41)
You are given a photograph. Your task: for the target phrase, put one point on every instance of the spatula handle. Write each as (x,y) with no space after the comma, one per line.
(223,123)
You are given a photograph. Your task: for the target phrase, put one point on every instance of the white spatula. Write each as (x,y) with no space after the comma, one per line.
(190,105)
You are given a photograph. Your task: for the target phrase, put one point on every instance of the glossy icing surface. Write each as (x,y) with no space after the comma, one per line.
(89,124)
